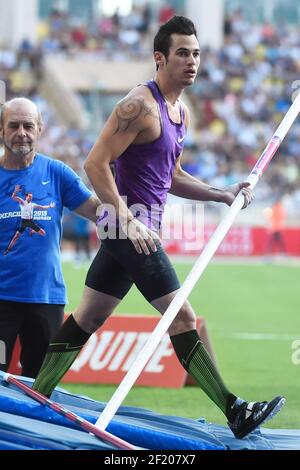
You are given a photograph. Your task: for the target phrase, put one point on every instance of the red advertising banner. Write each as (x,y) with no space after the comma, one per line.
(110,352)
(240,241)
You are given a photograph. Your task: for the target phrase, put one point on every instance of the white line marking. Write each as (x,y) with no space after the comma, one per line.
(264,336)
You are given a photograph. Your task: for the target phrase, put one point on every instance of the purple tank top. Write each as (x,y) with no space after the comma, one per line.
(144,171)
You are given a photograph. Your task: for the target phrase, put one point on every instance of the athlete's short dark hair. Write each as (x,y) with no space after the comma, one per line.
(176,25)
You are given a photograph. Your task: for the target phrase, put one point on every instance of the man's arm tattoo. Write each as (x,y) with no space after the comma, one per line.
(129,110)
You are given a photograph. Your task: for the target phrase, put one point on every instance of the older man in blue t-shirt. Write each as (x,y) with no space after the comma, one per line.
(32,289)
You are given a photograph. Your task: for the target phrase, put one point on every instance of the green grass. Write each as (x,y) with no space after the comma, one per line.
(233,299)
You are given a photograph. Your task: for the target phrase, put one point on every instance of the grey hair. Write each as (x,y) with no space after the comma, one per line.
(21,99)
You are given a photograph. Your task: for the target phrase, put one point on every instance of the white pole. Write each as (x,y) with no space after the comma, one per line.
(198,268)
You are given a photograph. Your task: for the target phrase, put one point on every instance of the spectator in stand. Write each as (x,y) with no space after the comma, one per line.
(276,216)
(166,12)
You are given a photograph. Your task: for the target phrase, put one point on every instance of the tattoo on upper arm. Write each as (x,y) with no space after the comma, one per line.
(129,110)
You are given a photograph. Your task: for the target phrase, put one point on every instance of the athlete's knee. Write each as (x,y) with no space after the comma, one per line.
(185,320)
(90,321)
(186,313)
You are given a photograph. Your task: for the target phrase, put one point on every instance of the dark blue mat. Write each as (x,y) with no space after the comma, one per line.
(22,426)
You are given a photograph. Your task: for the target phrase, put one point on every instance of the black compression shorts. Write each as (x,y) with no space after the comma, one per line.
(117,266)
(28,223)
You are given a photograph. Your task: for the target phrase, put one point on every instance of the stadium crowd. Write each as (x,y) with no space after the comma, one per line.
(239,97)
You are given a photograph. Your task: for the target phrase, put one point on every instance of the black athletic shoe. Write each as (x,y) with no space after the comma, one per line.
(252,414)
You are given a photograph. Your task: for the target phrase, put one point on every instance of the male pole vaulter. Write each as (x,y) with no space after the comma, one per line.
(145,137)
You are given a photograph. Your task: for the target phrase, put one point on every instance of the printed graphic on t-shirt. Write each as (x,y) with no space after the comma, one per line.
(27,210)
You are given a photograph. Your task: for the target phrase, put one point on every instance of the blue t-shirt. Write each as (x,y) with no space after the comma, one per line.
(31,272)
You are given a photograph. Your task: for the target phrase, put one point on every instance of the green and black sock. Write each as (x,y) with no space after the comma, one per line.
(196,360)
(62,352)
